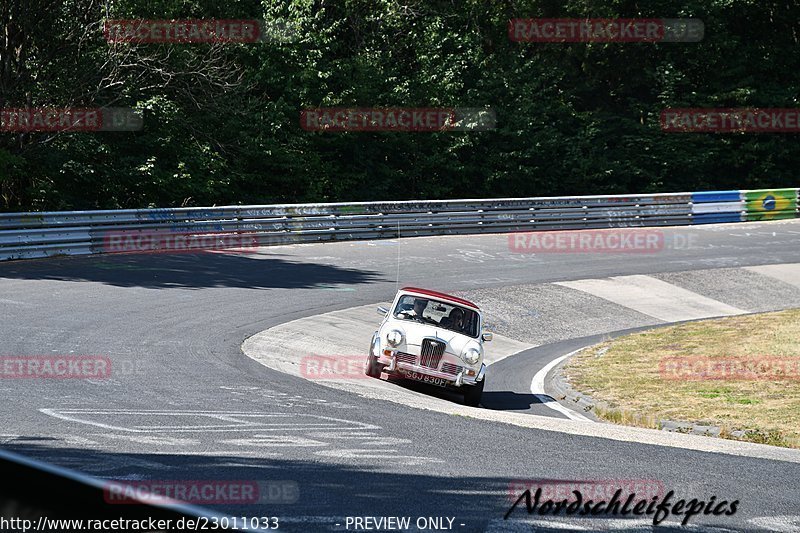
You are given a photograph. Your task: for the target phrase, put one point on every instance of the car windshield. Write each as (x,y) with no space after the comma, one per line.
(444,315)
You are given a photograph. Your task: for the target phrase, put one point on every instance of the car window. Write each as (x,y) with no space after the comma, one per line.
(439,314)
(404,305)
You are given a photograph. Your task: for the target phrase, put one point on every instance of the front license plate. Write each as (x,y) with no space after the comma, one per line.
(439,382)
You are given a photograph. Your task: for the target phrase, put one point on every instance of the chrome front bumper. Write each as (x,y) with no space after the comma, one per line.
(395,366)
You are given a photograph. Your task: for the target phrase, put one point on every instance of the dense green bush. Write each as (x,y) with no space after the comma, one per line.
(222,120)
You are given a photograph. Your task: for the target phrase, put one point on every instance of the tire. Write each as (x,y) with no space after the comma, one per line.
(372,368)
(473,393)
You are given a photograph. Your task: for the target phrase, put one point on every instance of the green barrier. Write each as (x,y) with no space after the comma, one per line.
(771,204)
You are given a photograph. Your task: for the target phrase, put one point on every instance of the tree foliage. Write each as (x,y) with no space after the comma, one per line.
(222,120)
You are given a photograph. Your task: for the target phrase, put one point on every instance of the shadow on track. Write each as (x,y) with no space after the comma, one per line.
(509,401)
(323,493)
(495,400)
(189,271)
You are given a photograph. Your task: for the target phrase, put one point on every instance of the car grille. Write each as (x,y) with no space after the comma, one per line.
(431,353)
(406,358)
(450,368)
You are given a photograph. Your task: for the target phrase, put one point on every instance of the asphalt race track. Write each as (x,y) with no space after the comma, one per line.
(184,402)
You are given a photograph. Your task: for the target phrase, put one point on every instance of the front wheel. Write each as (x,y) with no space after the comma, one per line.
(473,393)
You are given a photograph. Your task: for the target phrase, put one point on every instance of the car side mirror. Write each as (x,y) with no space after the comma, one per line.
(382,311)
(487,336)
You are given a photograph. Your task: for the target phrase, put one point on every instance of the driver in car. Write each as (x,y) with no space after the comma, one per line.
(455,320)
(419,306)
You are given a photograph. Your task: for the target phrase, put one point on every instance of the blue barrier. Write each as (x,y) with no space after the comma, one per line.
(716,218)
(716,196)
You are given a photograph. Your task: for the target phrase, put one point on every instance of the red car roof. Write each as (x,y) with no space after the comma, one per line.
(441,296)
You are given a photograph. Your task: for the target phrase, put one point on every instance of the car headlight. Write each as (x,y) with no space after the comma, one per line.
(394,337)
(472,356)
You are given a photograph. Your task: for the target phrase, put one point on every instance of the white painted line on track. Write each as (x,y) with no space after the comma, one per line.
(275,441)
(653,297)
(234,454)
(256,422)
(262,435)
(787,273)
(148,439)
(380,453)
(537,388)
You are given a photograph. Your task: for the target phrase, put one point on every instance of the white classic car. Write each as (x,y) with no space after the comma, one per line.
(431,337)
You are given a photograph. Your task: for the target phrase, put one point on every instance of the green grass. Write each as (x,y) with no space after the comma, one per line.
(632,389)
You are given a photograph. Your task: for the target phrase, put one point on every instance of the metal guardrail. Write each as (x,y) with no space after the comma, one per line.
(713,207)
(30,235)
